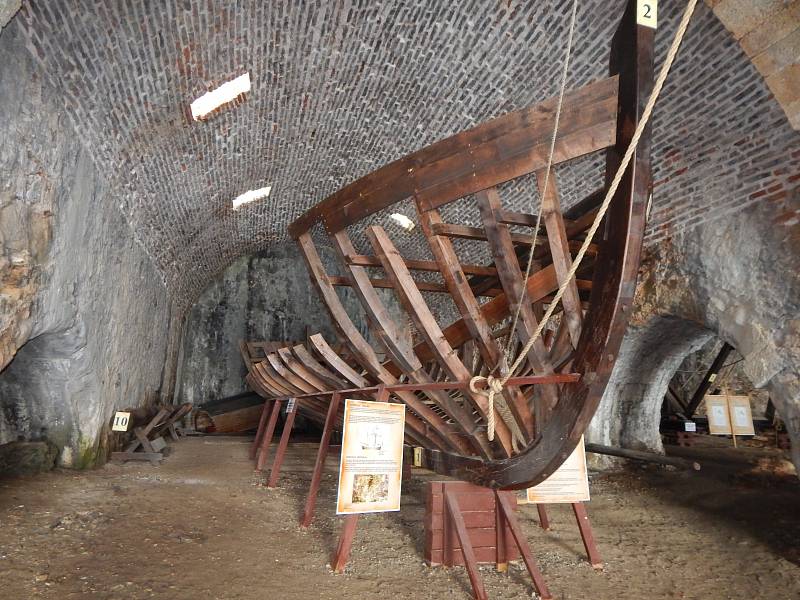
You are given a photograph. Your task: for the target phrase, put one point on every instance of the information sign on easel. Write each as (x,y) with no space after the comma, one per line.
(724,409)
(569,484)
(371,466)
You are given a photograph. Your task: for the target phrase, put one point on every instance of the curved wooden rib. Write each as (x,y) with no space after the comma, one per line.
(385,331)
(546,421)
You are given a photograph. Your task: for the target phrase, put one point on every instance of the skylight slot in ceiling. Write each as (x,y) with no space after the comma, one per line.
(251,196)
(211,102)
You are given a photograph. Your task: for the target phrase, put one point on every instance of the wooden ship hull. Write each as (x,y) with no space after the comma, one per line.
(540,424)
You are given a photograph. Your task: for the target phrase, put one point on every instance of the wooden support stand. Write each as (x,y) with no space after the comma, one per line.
(584,526)
(467,525)
(266,440)
(322,453)
(150,437)
(339,560)
(282,445)
(262,422)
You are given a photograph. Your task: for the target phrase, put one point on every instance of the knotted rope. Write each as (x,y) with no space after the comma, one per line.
(496,385)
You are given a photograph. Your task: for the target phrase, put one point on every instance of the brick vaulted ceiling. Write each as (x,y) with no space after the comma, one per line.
(341,88)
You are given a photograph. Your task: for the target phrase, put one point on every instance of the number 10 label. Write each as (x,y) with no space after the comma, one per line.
(121,420)
(647,13)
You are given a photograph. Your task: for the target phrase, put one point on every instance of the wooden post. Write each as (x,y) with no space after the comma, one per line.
(730,415)
(345,543)
(708,379)
(587,535)
(500,540)
(456,519)
(266,440)
(259,432)
(504,507)
(275,472)
(544,522)
(322,453)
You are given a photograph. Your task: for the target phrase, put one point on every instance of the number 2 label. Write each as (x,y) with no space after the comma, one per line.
(647,13)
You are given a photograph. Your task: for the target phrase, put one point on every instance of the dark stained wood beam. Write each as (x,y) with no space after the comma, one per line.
(708,379)
(364,260)
(505,148)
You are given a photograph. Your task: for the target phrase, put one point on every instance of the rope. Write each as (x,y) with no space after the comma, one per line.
(496,385)
(535,237)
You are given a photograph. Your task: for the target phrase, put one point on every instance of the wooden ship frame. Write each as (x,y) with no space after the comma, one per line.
(537,424)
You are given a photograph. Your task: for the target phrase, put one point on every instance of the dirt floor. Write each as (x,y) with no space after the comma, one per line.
(196,527)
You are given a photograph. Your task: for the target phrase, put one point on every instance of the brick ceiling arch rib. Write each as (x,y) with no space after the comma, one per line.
(341,88)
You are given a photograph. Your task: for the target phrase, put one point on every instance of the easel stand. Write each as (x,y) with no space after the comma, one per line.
(584,526)
(266,431)
(468,525)
(322,454)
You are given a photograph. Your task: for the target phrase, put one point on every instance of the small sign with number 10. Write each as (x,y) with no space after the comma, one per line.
(121,420)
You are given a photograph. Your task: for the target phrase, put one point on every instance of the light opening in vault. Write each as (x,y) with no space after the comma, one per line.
(403,221)
(208,103)
(251,196)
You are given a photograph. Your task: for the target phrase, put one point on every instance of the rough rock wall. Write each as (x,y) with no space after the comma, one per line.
(738,278)
(266,296)
(8,8)
(84,318)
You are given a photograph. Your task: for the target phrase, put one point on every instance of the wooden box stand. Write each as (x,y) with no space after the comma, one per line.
(479,511)
(466,525)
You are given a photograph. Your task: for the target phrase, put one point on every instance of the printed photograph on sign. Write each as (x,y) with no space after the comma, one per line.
(371,465)
(570,482)
(717,410)
(742,415)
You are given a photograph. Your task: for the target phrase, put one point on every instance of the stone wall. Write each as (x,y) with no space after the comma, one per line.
(738,279)
(84,319)
(266,296)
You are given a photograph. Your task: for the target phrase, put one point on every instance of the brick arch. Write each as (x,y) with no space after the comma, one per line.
(769,33)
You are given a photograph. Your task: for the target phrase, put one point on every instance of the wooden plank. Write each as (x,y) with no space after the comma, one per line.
(335,362)
(425,286)
(587,535)
(495,310)
(308,360)
(280,453)
(465,232)
(288,359)
(560,252)
(507,510)
(467,304)
(365,260)
(593,107)
(319,466)
(470,562)
(708,379)
(290,378)
(270,378)
(339,560)
(479,537)
(416,307)
(260,431)
(266,439)
(363,352)
(511,279)
(402,354)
